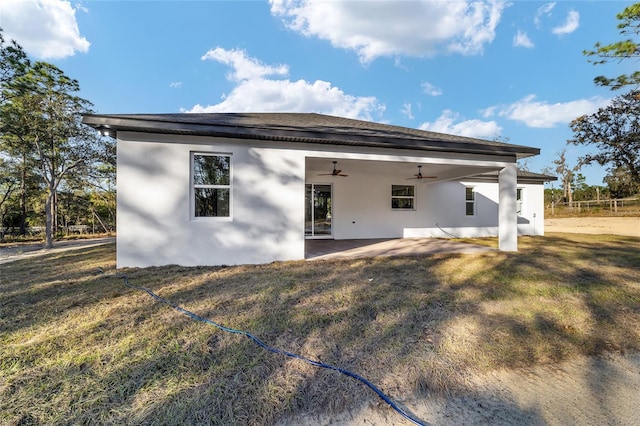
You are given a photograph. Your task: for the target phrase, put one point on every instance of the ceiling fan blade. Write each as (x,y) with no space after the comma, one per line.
(419,174)
(335,172)
(422,177)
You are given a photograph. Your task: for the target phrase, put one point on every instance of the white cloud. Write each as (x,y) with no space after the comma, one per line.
(470,128)
(243,66)
(407,111)
(430,89)
(570,24)
(397,62)
(80,7)
(46,29)
(521,39)
(489,112)
(541,114)
(544,10)
(175,84)
(254,92)
(387,28)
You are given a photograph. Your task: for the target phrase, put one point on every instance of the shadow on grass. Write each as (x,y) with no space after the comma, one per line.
(78,346)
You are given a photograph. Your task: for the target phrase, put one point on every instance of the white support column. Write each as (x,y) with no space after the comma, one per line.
(507,216)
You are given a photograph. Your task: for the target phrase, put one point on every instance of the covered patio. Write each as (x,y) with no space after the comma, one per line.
(340,249)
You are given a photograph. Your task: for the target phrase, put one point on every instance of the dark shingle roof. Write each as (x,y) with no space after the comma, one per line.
(524,175)
(305,128)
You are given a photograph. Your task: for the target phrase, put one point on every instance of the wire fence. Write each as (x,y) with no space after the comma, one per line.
(611,207)
(70,230)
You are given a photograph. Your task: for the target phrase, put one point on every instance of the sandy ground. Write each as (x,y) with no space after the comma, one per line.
(586,391)
(629,226)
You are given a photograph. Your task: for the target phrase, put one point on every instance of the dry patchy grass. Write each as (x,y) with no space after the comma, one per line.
(77,347)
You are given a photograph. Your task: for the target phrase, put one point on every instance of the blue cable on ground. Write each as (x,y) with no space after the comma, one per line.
(386,399)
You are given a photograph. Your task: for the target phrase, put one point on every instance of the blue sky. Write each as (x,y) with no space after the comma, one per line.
(488,69)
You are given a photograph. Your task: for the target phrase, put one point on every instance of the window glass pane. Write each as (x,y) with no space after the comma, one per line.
(519,194)
(402,203)
(322,210)
(470,195)
(211,202)
(211,170)
(470,211)
(402,190)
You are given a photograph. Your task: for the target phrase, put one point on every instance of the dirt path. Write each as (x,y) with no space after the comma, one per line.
(25,251)
(586,391)
(629,226)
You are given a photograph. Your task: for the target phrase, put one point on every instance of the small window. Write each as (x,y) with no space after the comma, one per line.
(403,197)
(519,199)
(211,185)
(470,197)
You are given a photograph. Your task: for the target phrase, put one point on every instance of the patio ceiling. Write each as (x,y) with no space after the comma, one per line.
(443,172)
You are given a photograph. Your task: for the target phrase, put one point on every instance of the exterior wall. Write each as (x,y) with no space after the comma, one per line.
(362,209)
(155,226)
(531,218)
(447,216)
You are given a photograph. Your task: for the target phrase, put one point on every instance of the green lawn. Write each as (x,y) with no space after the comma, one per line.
(78,347)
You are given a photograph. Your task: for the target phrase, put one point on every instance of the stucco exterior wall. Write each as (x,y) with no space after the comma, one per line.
(156,224)
(362,208)
(531,217)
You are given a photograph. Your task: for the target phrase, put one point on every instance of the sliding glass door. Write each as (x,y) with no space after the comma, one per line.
(317,211)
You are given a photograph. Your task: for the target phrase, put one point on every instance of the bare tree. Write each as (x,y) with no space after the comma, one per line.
(566,174)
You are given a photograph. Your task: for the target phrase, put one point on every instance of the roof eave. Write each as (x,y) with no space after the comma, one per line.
(110,123)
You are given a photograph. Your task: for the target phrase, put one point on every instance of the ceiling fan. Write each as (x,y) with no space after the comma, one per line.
(334,172)
(419,175)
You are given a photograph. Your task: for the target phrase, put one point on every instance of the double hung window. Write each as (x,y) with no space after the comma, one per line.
(403,197)
(211,180)
(470,201)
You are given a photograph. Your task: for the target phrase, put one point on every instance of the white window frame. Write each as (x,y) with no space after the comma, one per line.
(471,202)
(193,186)
(405,197)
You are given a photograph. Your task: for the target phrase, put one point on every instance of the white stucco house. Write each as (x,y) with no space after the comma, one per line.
(235,188)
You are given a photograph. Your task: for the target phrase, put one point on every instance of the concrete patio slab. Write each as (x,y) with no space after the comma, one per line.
(340,249)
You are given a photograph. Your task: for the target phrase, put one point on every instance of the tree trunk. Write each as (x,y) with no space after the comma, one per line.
(23,198)
(570,190)
(54,209)
(48,207)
